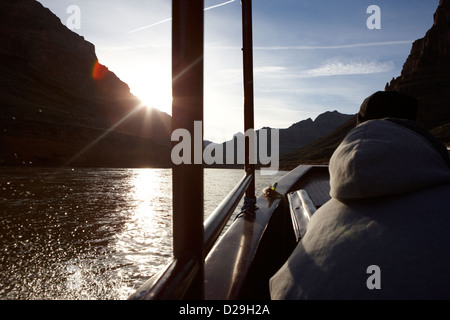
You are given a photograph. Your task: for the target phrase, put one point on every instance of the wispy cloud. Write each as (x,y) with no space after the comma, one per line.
(170,19)
(268,69)
(352,68)
(328,47)
(324,47)
(331,68)
(219,5)
(334,67)
(151,25)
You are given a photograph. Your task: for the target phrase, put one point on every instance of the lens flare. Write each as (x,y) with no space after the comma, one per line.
(99,71)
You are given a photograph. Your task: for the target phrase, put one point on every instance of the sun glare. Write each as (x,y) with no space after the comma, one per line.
(154,92)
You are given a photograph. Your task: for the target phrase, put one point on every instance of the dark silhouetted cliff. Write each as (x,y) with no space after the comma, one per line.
(426,74)
(59,105)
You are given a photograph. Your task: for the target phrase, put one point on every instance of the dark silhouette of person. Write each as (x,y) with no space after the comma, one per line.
(401,109)
(388,104)
(384,233)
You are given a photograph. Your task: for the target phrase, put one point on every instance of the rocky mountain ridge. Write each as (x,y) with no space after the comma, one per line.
(292,138)
(306,131)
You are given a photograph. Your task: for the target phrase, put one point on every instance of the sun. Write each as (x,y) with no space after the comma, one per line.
(154,91)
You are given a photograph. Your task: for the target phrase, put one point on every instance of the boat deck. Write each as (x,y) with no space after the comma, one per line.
(317,183)
(254,247)
(311,192)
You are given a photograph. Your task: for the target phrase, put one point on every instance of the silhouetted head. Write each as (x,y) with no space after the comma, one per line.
(388,104)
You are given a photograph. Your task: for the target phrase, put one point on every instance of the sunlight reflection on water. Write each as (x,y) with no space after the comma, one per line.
(146,239)
(90,233)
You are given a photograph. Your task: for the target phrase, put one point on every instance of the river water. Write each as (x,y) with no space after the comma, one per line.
(91,233)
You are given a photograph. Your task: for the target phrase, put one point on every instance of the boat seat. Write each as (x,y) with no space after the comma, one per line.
(301,208)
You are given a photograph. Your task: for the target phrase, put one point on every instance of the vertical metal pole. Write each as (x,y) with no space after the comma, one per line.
(247,49)
(187,107)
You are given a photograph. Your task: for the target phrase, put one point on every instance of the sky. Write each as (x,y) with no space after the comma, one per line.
(309,56)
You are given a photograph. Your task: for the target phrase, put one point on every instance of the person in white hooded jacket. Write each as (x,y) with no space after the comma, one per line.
(385,233)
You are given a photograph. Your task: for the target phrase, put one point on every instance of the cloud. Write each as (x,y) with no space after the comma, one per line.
(330,47)
(219,5)
(268,69)
(352,68)
(331,68)
(151,25)
(170,19)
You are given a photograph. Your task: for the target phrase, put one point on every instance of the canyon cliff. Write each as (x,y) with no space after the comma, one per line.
(60,106)
(426,75)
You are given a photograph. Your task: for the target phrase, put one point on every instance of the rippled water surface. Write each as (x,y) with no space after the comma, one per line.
(90,233)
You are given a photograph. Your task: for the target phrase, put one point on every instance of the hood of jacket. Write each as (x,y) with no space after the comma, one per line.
(383,158)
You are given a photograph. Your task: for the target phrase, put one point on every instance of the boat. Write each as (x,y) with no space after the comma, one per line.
(237,264)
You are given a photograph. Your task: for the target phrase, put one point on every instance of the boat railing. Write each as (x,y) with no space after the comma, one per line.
(217,221)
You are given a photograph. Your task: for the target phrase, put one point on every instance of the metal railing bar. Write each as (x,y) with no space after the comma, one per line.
(218,219)
(171,284)
(247,50)
(187,110)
